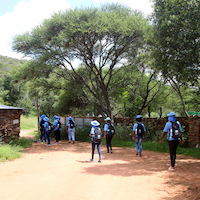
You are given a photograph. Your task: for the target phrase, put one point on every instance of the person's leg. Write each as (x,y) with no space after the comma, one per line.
(176,143)
(172,148)
(93,148)
(110,144)
(140,146)
(69,135)
(45,136)
(107,143)
(73,135)
(136,146)
(99,150)
(41,138)
(58,135)
(48,137)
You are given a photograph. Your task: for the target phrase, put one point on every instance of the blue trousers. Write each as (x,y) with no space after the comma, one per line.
(99,150)
(47,134)
(43,135)
(138,144)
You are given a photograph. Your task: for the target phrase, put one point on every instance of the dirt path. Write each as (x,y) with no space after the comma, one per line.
(63,171)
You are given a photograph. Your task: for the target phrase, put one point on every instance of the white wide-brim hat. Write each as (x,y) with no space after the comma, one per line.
(95,123)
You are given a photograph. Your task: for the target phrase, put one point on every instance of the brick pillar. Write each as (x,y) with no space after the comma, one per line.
(193,136)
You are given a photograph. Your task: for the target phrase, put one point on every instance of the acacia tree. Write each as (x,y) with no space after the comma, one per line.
(177,31)
(99,38)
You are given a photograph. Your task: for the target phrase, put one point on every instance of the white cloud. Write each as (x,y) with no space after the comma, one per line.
(26,15)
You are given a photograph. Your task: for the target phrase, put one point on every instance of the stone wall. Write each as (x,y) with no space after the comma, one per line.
(190,125)
(10,123)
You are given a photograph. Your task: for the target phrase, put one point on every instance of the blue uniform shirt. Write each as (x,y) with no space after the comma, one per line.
(68,124)
(168,127)
(55,123)
(106,127)
(135,128)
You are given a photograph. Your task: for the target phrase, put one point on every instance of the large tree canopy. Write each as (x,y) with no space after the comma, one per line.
(100,38)
(177,30)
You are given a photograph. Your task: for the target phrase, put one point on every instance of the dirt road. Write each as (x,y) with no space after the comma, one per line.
(63,172)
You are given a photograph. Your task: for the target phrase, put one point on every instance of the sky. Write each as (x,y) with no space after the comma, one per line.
(18,17)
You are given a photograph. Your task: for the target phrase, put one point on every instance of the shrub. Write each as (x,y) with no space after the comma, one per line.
(123,132)
(82,134)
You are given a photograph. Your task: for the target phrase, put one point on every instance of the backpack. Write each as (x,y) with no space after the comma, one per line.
(50,126)
(71,124)
(97,136)
(140,130)
(175,131)
(59,124)
(111,129)
(42,124)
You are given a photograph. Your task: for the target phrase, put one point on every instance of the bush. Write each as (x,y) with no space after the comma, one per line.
(123,132)
(82,134)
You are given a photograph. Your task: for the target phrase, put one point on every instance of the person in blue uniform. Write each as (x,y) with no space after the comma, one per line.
(71,129)
(138,134)
(95,125)
(41,125)
(172,142)
(56,128)
(47,130)
(108,135)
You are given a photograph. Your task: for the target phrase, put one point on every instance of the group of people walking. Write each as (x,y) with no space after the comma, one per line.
(172,129)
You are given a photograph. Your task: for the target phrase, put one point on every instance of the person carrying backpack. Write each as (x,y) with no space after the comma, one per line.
(56,128)
(108,134)
(71,129)
(47,130)
(96,137)
(41,125)
(138,134)
(173,130)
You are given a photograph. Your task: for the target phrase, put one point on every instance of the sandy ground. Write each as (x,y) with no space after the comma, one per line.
(63,172)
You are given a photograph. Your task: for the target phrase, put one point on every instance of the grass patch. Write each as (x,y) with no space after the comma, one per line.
(8,152)
(28,123)
(14,149)
(156,147)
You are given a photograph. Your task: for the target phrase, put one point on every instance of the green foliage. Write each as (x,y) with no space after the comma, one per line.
(177,34)
(123,132)
(82,134)
(28,122)
(14,149)
(8,152)
(99,38)
(21,142)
